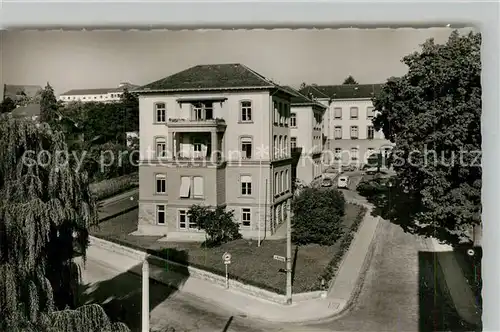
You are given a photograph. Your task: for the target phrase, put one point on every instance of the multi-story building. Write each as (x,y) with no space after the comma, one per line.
(351,137)
(96,95)
(213,135)
(306,140)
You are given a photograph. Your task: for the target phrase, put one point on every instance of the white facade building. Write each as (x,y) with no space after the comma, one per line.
(96,95)
(350,135)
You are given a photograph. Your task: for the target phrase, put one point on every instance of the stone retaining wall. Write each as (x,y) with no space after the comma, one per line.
(161,264)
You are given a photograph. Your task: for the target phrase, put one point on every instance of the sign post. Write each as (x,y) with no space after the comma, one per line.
(226,258)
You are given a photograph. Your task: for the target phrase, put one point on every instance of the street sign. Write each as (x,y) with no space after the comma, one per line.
(279,258)
(226,258)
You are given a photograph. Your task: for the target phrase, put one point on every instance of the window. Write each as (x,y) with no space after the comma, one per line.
(370,132)
(276,113)
(161,112)
(246,147)
(275,146)
(280,111)
(338,132)
(276,180)
(161,183)
(280,147)
(246,111)
(293,142)
(208,111)
(161,147)
(285,146)
(287,114)
(369,112)
(198,187)
(197,111)
(354,132)
(246,216)
(354,153)
(197,146)
(160,214)
(184,221)
(337,153)
(287,181)
(185,186)
(282,184)
(354,113)
(293,120)
(337,112)
(246,185)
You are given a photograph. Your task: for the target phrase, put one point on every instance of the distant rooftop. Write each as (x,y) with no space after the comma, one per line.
(342,91)
(99,91)
(211,77)
(27,111)
(299,99)
(14,91)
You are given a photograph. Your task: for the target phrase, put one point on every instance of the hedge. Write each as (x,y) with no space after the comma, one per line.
(107,188)
(332,267)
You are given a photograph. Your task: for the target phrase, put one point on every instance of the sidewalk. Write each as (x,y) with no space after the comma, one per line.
(337,299)
(460,291)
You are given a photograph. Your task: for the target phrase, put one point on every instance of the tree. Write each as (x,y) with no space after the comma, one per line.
(317,216)
(46,209)
(48,106)
(7,105)
(302,85)
(433,115)
(350,80)
(130,104)
(218,223)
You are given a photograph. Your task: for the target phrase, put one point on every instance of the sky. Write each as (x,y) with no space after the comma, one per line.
(103,59)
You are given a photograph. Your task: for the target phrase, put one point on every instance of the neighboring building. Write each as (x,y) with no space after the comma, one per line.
(185,120)
(96,95)
(349,130)
(306,137)
(18,92)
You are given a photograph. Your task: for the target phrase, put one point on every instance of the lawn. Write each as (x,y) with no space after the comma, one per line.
(249,263)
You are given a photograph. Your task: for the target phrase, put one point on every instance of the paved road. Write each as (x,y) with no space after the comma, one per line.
(402,291)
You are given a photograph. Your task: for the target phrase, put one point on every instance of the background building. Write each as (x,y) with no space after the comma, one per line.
(213,135)
(350,133)
(96,95)
(307,139)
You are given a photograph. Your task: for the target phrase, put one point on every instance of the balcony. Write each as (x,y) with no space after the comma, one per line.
(196,125)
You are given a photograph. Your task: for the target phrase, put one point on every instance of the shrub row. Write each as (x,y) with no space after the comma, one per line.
(107,188)
(181,257)
(331,269)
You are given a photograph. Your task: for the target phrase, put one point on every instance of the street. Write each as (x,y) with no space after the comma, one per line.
(398,293)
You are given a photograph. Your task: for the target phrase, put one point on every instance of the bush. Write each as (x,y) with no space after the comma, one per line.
(372,187)
(111,187)
(218,223)
(317,216)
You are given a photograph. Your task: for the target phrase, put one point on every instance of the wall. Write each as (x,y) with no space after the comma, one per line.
(157,269)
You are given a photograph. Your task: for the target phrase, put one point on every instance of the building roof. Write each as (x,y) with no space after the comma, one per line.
(100,91)
(298,99)
(26,111)
(343,91)
(14,91)
(211,77)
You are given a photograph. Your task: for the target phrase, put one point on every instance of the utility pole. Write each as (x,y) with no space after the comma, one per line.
(288,254)
(145,296)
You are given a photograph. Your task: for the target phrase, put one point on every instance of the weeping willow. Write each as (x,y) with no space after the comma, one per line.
(46,209)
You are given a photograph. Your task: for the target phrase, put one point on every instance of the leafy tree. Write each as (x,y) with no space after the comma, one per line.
(48,106)
(302,85)
(218,223)
(7,105)
(130,104)
(46,209)
(433,115)
(350,80)
(317,216)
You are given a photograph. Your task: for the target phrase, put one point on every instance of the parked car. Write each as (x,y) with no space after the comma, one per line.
(327,182)
(349,168)
(343,181)
(371,170)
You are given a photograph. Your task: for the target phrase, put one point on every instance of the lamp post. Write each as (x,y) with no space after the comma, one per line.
(145,296)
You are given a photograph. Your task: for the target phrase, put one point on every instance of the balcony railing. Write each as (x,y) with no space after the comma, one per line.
(182,121)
